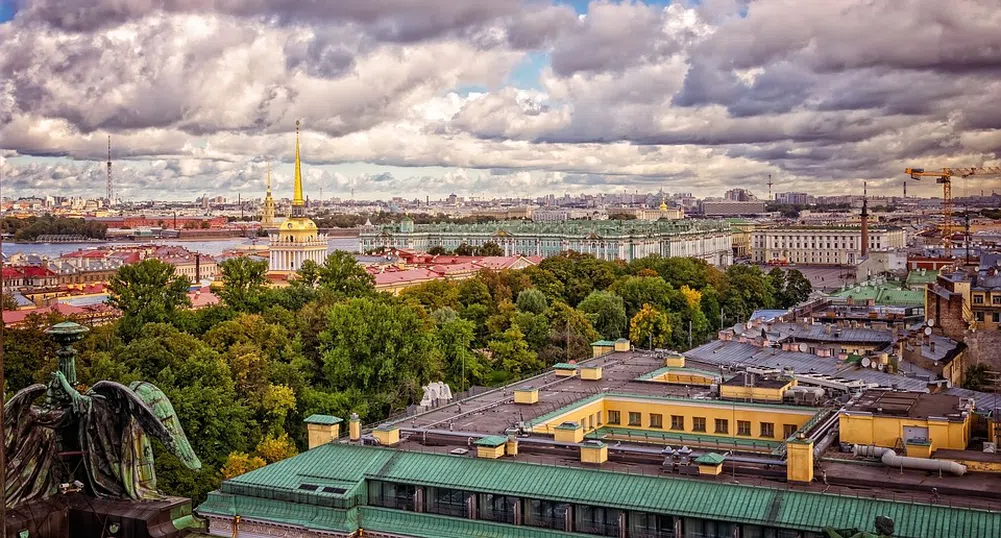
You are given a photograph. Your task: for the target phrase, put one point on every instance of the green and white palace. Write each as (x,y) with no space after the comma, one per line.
(708,240)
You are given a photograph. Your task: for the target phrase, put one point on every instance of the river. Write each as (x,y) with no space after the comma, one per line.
(211,247)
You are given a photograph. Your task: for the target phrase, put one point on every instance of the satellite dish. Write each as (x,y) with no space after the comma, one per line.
(803,348)
(931,322)
(927,331)
(873,364)
(866,362)
(748,324)
(738,327)
(881,367)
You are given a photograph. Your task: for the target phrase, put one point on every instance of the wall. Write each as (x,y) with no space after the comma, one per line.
(867,429)
(710,410)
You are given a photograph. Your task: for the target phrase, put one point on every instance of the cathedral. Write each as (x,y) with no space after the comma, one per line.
(268,215)
(297,239)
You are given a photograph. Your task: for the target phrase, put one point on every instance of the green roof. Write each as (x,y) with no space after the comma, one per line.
(886,295)
(920,278)
(491,441)
(326,420)
(710,458)
(651,493)
(527,388)
(564,366)
(605,343)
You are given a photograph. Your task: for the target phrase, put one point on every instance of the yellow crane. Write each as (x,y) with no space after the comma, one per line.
(944,176)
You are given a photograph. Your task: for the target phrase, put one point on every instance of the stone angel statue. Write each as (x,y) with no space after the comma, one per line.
(100,438)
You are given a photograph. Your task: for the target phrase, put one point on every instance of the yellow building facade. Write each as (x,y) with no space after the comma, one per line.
(863,428)
(710,418)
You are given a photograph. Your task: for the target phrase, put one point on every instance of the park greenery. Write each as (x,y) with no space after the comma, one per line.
(244,374)
(30,228)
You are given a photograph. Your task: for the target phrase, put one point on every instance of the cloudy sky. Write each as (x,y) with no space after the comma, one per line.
(495,97)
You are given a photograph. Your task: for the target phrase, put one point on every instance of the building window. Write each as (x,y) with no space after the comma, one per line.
(546,514)
(635,419)
(390,495)
(677,422)
(767,429)
(996,299)
(656,420)
(446,502)
(979,316)
(653,525)
(788,430)
(499,508)
(996,317)
(698,424)
(722,425)
(978,299)
(613,417)
(596,520)
(743,427)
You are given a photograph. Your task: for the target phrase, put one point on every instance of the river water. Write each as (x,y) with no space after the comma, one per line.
(210,247)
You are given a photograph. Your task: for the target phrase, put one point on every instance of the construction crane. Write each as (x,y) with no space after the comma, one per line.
(944,176)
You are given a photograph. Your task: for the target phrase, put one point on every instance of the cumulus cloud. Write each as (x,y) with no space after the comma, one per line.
(426,96)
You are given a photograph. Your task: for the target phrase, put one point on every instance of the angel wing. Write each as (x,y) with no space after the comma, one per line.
(164,411)
(126,404)
(20,403)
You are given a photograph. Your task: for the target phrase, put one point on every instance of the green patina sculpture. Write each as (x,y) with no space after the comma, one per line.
(99,438)
(884,529)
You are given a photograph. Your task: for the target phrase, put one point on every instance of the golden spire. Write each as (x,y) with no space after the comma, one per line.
(663,204)
(297,199)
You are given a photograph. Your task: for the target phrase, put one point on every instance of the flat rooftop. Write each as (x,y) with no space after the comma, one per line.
(494,412)
(908,404)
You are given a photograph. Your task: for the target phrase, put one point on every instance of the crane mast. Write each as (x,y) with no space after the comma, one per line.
(944,177)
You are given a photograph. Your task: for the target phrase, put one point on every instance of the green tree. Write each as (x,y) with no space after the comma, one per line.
(437,250)
(639,290)
(7,301)
(28,353)
(649,328)
(533,301)
(570,334)
(545,282)
(243,280)
(147,292)
(474,291)
(797,289)
(341,273)
(454,337)
(464,250)
(384,350)
(975,377)
(608,311)
(308,274)
(510,350)
(490,249)
(433,295)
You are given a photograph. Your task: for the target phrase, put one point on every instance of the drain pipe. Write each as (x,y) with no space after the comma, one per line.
(891,459)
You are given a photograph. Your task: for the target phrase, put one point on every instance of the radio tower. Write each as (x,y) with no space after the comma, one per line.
(769,187)
(110,187)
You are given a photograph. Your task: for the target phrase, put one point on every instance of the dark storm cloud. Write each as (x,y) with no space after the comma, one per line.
(407,21)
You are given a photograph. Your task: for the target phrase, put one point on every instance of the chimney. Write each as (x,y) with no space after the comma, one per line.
(198,268)
(931,346)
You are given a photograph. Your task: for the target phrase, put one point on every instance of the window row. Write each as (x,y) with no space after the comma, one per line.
(562,516)
(721,425)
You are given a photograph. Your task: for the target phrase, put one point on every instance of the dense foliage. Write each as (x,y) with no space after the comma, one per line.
(30,228)
(243,374)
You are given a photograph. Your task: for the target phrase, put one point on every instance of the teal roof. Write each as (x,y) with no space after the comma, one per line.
(326,420)
(659,494)
(710,458)
(604,343)
(884,294)
(564,366)
(920,278)
(491,441)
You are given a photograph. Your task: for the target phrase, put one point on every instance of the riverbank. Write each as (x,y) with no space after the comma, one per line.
(211,247)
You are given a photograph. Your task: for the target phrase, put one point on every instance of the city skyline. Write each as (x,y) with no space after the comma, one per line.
(493,98)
